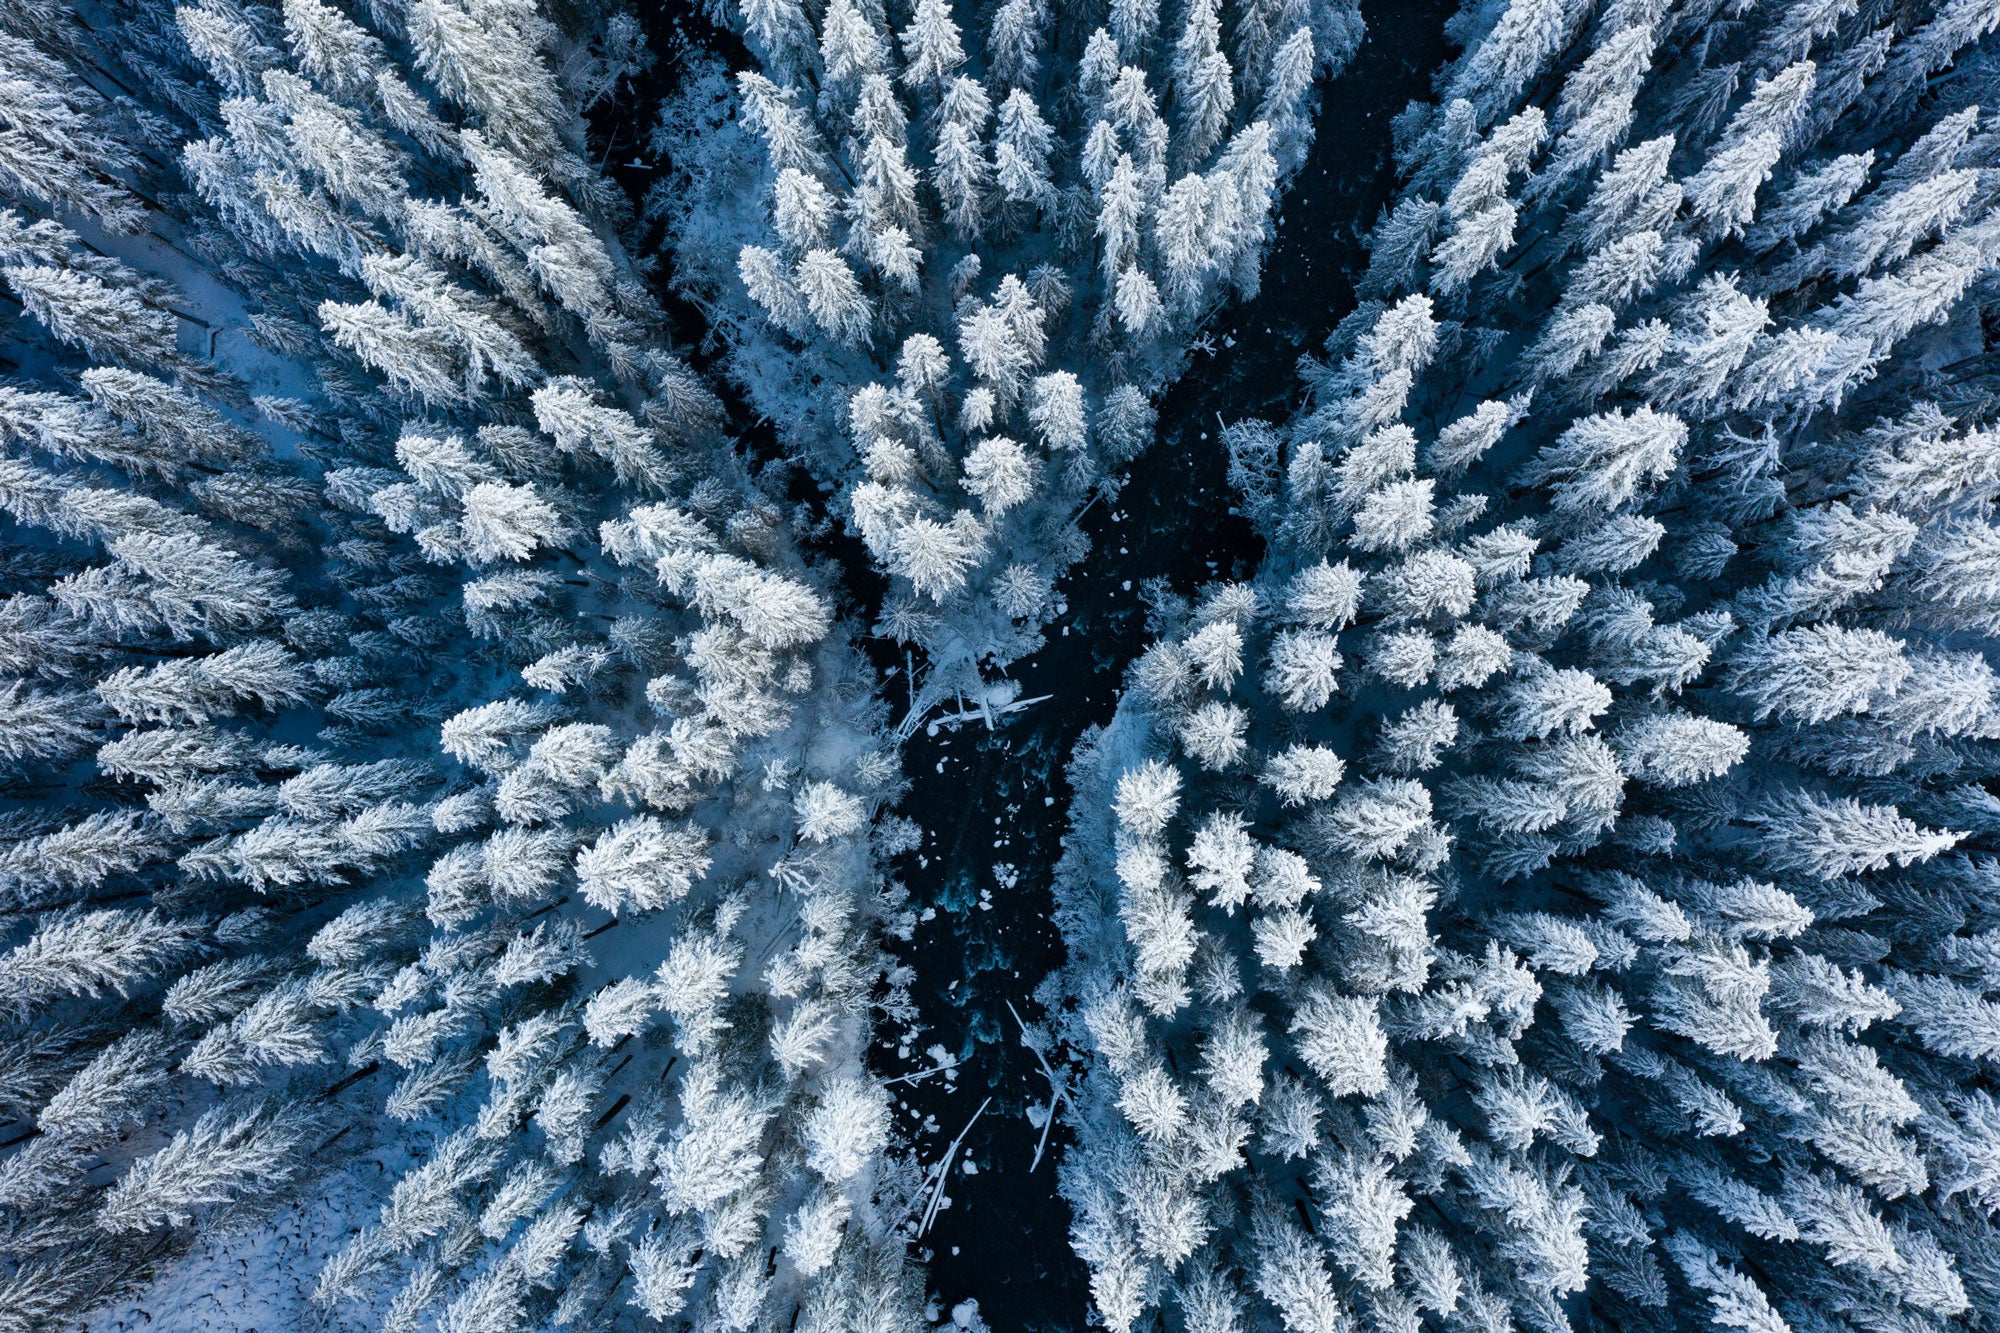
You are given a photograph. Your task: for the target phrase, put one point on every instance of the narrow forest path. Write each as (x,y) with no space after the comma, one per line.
(994,806)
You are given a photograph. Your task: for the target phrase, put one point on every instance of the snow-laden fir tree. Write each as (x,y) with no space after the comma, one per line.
(1556,890)
(956,250)
(575,899)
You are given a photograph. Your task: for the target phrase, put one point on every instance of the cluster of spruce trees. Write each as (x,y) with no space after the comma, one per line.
(956,264)
(1555,889)
(1558,889)
(423,726)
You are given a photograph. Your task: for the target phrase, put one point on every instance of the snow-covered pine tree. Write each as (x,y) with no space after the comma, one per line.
(935,228)
(1608,943)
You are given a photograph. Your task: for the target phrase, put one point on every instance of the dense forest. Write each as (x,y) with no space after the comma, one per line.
(854,666)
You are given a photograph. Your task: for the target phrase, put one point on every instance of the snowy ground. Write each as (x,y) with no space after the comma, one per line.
(225,1285)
